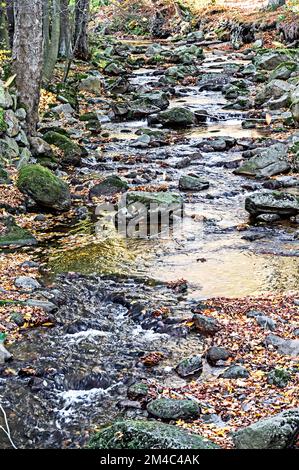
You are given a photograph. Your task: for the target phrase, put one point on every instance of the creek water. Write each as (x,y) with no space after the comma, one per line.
(81,368)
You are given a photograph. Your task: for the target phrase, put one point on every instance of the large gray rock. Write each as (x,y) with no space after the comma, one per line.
(154,98)
(160,198)
(288,347)
(273,90)
(4,354)
(167,408)
(270,60)
(111,185)
(147,435)
(91,84)
(193,183)
(206,325)
(269,202)
(268,162)
(6,100)
(276,432)
(27,283)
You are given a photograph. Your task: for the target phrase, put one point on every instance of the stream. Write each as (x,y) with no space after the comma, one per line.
(71,379)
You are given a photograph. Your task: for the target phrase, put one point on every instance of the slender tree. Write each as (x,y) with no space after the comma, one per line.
(28,56)
(81,49)
(4,38)
(51,13)
(65,43)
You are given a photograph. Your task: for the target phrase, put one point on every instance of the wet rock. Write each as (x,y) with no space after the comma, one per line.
(273,90)
(154,98)
(65,109)
(46,189)
(143,434)
(284,71)
(111,185)
(193,183)
(40,148)
(190,366)
(114,69)
(138,391)
(213,81)
(275,202)
(268,162)
(217,353)
(174,118)
(160,198)
(235,372)
(279,377)
(168,409)
(289,347)
(268,218)
(206,325)
(14,234)
(276,432)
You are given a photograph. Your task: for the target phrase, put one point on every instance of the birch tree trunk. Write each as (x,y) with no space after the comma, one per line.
(51,37)
(81,49)
(28,56)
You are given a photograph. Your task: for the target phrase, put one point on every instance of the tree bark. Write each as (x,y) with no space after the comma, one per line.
(28,57)
(10,20)
(4,38)
(65,43)
(81,49)
(51,37)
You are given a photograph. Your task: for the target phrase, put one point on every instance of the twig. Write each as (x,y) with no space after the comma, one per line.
(7,430)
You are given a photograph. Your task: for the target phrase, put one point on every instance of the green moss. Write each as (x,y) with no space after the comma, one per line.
(3,125)
(44,187)
(15,235)
(72,152)
(89,116)
(147,435)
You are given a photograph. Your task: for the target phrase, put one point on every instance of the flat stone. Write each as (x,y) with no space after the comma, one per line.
(168,409)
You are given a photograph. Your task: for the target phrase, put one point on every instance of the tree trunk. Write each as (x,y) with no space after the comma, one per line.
(28,57)
(65,44)
(81,49)
(10,20)
(51,37)
(4,38)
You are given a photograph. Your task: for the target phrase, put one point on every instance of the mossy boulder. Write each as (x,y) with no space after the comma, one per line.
(111,185)
(140,434)
(272,202)
(148,198)
(13,234)
(68,94)
(138,391)
(174,118)
(279,377)
(168,409)
(4,177)
(72,152)
(45,188)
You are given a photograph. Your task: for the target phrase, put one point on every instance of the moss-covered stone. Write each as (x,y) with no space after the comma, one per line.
(279,377)
(148,198)
(166,408)
(88,116)
(46,189)
(147,435)
(138,391)
(14,234)
(72,152)
(174,118)
(4,177)
(110,185)
(67,93)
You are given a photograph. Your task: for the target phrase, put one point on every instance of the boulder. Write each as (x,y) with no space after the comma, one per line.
(13,234)
(160,198)
(174,118)
(91,84)
(267,162)
(111,185)
(138,391)
(72,152)
(46,189)
(277,432)
(6,100)
(4,354)
(154,98)
(193,183)
(272,202)
(235,372)
(289,347)
(190,366)
(27,283)
(217,353)
(279,377)
(147,435)
(273,90)
(206,325)
(168,409)
(271,59)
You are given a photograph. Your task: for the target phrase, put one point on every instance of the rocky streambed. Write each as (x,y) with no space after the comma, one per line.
(123,313)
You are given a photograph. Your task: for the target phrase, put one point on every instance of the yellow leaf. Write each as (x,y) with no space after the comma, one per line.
(268,119)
